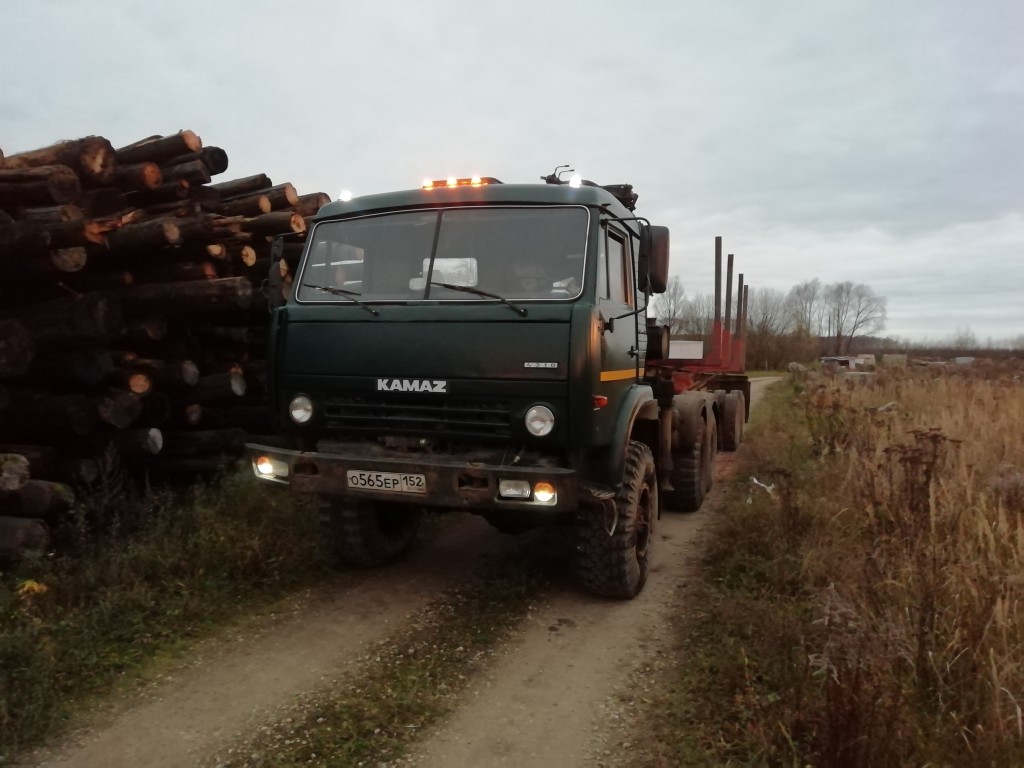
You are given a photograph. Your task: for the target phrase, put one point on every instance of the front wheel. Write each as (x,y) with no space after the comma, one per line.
(369,533)
(613,541)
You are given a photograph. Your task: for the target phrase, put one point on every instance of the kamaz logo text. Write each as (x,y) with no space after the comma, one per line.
(411,385)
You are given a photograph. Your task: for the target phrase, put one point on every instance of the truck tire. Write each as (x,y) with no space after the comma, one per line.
(707,469)
(686,475)
(733,417)
(616,564)
(369,533)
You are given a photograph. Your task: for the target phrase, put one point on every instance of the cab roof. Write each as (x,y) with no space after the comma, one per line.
(487,194)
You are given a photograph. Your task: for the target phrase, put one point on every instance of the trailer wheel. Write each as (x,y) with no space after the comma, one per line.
(707,469)
(733,419)
(687,474)
(371,533)
(613,545)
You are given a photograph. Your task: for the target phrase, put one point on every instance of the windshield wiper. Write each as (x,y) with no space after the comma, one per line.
(521,311)
(347,294)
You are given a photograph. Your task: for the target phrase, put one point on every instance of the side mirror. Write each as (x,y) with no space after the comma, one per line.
(652,264)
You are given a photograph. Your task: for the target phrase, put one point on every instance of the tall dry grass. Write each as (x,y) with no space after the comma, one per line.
(915,560)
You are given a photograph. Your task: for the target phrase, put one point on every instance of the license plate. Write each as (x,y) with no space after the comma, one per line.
(393,482)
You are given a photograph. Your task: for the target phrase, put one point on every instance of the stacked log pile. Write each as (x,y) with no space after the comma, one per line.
(133,320)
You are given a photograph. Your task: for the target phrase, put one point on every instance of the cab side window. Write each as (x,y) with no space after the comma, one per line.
(619,274)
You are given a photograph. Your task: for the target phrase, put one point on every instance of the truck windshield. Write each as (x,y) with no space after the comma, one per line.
(521,253)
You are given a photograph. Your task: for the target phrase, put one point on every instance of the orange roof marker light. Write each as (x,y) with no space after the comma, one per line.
(451,181)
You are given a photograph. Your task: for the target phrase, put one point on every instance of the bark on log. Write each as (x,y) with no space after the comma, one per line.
(167,374)
(194,172)
(49,185)
(91,319)
(208,227)
(138,442)
(281,196)
(251,418)
(91,158)
(152,233)
(81,233)
(46,463)
(308,205)
(156,149)
(118,408)
(84,282)
(214,158)
(15,471)
(106,201)
(51,214)
(38,417)
(168,192)
(173,272)
(147,328)
(156,409)
(40,499)
(191,297)
(251,205)
(275,223)
(17,348)
(138,176)
(244,186)
(22,238)
(84,366)
(22,539)
(217,387)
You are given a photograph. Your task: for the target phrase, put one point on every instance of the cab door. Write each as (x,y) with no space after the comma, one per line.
(616,305)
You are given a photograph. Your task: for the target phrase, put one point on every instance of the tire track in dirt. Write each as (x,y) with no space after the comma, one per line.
(235,681)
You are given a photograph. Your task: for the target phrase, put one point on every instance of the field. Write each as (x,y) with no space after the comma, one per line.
(861,600)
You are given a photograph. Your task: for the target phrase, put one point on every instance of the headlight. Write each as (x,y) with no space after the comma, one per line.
(540,421)
(300,409)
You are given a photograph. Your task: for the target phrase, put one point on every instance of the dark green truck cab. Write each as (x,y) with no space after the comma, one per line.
(484,346)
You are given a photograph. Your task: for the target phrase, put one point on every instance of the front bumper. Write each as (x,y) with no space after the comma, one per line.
(452,481)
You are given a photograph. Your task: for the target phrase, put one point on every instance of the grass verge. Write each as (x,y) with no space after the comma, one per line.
(72,626)
(864,611)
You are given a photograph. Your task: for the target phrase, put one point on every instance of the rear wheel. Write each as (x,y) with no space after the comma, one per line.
(613,547)
(374,532)
(686,475)
(733,418)
(710,453)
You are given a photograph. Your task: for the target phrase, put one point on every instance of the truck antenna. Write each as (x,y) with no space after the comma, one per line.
(555,177)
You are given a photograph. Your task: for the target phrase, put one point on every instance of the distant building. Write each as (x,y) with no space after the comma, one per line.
(895,360)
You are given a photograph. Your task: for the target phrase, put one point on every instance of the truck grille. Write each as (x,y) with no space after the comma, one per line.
(444,419)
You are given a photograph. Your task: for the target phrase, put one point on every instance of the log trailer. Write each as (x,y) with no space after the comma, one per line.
(485,347)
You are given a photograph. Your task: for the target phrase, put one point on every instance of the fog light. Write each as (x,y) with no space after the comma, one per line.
(269,468)
(544,493)
(514,489)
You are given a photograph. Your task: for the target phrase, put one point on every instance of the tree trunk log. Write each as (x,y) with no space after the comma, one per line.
(281,196)
(150,233)
(69,259)
(308,205)
(174,272)
(17,349)
(22,238)
(90,319)
(49,185)
(191,297)
(214,158)
(21,538)
(15,470)
(146,329)
(138,442)
(118,408)
(138,176)
(275,223)
(91,158)
(83,366)
(39,417)
(228,440)
(251,205)
(217,387)
(46,463)
(243,186)
(105,201)
(194,172)
(41,499)
(168,192)
(51,214)
(167,374)
(156,149)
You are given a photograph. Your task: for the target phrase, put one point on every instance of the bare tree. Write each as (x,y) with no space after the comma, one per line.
(669,306)
(852,311)
(698,315)
(806,304)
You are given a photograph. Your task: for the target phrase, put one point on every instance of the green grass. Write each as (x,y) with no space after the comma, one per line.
(72,626)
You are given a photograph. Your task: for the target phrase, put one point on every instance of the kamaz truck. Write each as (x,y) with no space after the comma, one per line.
(479,346)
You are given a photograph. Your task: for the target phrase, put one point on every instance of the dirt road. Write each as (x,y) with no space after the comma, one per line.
(549,700)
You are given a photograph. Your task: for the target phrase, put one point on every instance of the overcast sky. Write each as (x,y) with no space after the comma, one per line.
(876,142)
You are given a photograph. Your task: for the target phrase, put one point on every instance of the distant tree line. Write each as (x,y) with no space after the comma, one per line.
(812,319)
